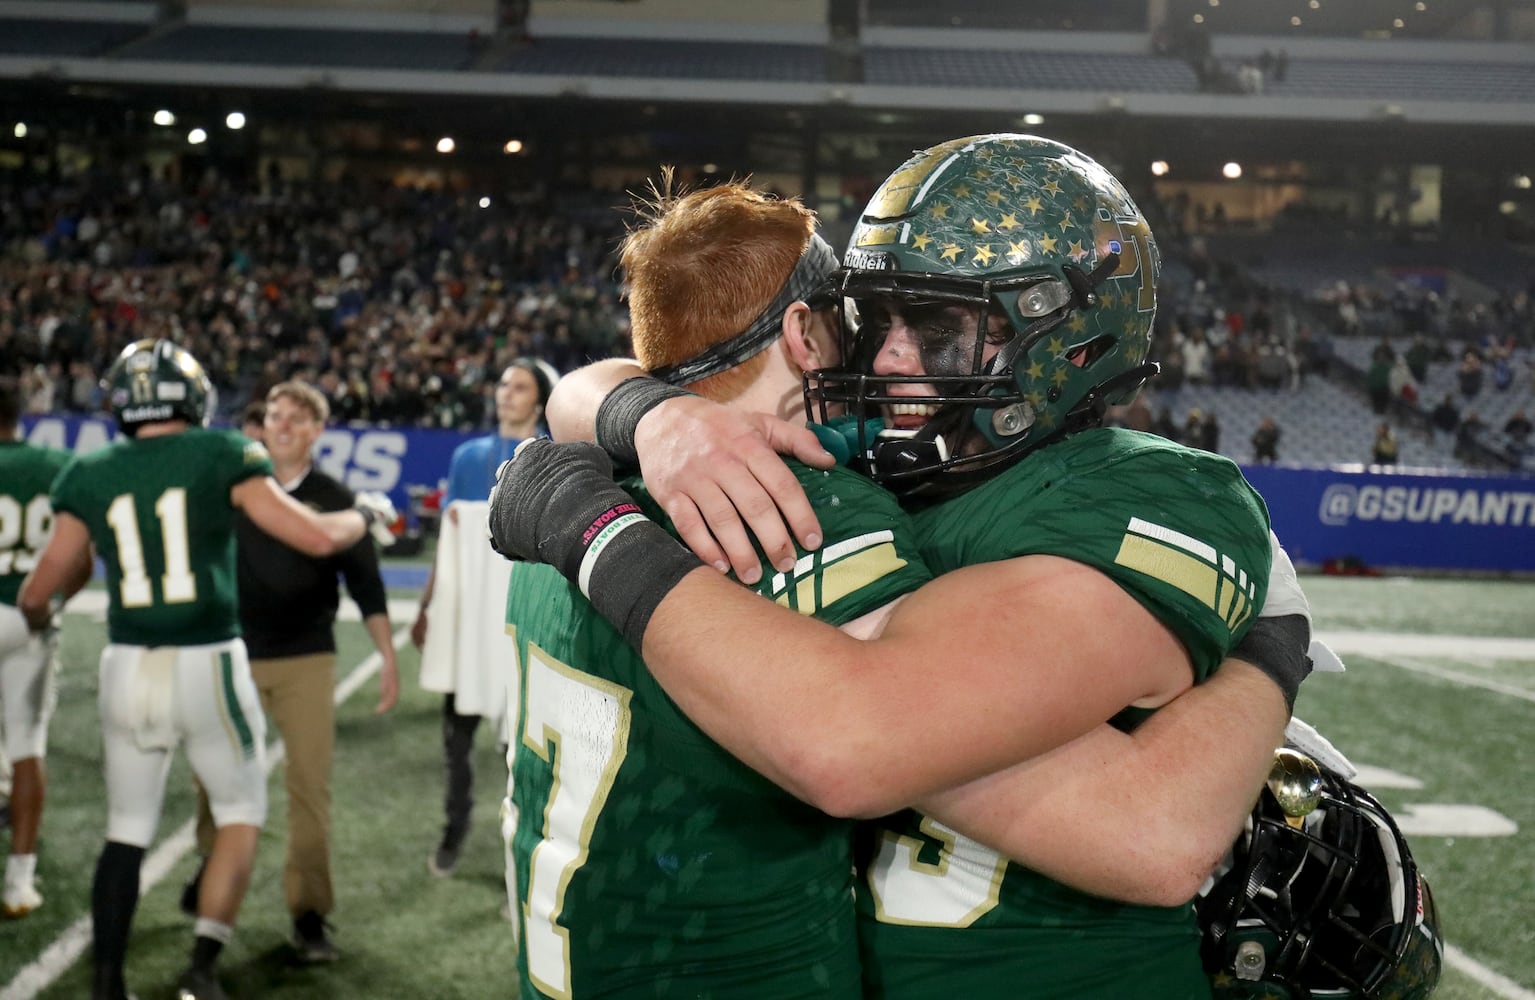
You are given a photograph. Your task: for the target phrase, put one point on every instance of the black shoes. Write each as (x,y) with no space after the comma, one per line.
(199,984)
(311,939)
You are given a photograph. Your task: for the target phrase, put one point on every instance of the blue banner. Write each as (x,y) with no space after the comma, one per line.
(1382,520)
(364,458)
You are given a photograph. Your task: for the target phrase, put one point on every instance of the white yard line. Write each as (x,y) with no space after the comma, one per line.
(1496,982)
(67,948)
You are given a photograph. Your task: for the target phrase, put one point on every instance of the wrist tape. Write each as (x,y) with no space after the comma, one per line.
(1277,646)
(627,565)
(621,410)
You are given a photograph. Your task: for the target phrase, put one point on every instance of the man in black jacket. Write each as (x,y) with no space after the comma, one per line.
(288,604)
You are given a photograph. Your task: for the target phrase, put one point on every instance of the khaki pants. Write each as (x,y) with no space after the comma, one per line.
(297,693)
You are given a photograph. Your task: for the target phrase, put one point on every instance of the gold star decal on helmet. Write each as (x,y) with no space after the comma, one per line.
(1051,187)
(1060,376)
(994,196)
(920,241)
(1047,244)
(963,191)
(1079,203)
(1018,251)
(1064,225)
(951,252)
(1047,419)
(1056,346)
(1009,221)
(1034,205)
(981,173)
(1077,323)
(1036,370)
(985,154)
(983,255)
(1075,251)
(940,211)
(980,226)
(1036,399)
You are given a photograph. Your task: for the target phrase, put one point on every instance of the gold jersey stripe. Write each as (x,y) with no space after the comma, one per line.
(841,578)
(1172,566)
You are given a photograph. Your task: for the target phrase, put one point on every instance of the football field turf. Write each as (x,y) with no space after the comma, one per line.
(1437,707)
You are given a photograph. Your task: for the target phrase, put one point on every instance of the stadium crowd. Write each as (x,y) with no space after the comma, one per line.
(400,303)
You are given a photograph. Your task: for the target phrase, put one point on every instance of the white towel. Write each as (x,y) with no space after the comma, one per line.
(467,650)
(154,699)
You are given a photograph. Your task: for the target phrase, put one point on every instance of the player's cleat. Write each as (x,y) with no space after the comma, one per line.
(198,984)
(19,901)
(442,861)
(311,939)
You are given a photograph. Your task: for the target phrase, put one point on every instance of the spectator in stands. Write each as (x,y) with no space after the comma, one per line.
(1502,370)
(1402,385)
(1518,427)
(1468,436)
(1377,382)
(1196,358)
(1266,441)
(1194,428)
(1210,433)
(1469,375)
(1272,368)
(1385,450)
(1417,356)
(1165,426)
(1446,416)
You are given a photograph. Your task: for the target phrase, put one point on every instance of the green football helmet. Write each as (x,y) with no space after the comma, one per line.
(1015,226)
(154,380)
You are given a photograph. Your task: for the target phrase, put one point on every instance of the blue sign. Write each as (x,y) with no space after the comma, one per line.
(364,458)
(1401,520)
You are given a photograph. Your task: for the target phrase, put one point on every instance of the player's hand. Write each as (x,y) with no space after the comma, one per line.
(716,471)
(379,511)
(418,629)
(388,686)
(546,495)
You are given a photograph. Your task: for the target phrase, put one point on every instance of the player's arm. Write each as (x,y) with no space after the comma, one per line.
(382,634)
(292,523)
(979,669)
(63,567)
(714,469)
(1141,817)
(982,668)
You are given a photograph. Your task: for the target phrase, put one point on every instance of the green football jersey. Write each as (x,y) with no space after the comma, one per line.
(26,515)
(1182,532)
(649,861)
(159,514)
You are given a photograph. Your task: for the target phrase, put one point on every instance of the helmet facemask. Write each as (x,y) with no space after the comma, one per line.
(1013,228)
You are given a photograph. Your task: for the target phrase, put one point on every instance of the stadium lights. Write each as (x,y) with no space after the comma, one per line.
(512,147)
(445,144)
(1315,4)
(197,136)
(1033,118)
(485,202)
(1159,168)
(1232,170)
(711,168)
(235,120)
(1398,23)
(165,118)
(1420,6)
(20,131)
(1295,22)
(1521,181)
(1199,19)
(1507,208)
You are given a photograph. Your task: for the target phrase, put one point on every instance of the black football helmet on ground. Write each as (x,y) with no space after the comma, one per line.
(1322,899)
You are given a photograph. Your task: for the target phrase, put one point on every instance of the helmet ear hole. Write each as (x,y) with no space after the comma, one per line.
(1083,355)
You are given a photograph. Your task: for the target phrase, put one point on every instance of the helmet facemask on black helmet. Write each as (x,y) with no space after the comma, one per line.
(1327,903)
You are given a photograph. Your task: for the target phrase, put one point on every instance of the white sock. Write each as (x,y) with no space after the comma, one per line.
(20,868)
(217,930)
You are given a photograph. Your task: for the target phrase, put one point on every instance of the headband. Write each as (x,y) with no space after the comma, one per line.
(809,274)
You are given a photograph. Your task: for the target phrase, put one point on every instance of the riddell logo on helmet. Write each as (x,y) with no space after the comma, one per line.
(146,414)
(868,260)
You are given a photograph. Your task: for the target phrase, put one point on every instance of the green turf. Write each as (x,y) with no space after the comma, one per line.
(404,934)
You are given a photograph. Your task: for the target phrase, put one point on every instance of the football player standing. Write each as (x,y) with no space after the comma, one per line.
(158,506)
